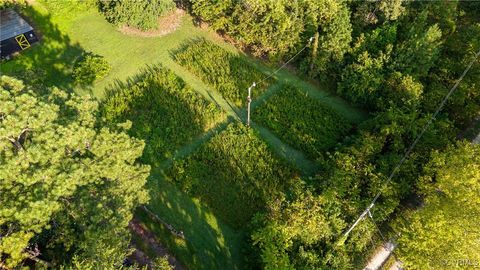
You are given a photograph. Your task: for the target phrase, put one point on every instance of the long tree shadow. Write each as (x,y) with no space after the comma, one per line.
(173,119)
(48,62)
(163,109)
(207,243)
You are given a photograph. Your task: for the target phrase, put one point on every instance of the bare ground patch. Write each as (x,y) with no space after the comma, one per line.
(148,238)
(166,25)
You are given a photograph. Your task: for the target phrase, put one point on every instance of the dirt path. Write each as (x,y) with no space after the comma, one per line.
(148,238)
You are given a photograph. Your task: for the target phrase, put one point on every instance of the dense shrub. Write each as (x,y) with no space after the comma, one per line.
(234,173)
(139,14)
(304,122)
(164,110)
(90,68)
(231,75)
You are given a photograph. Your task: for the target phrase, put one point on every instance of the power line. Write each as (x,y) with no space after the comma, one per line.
(289,60)
(407,153)
(249,97)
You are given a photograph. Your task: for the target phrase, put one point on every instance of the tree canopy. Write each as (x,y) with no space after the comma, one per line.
(444,233)
(66,183)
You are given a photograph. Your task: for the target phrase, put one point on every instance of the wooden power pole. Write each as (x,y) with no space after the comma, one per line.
(249,101)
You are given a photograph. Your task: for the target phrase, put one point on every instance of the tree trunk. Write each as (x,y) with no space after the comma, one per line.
(314,52)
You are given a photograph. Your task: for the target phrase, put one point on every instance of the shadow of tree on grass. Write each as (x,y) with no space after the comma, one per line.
(48,62)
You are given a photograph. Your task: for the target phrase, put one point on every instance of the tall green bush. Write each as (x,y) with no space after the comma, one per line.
(90,68)
(136,13)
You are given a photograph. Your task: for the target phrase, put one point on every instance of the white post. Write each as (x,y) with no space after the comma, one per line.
(249,101)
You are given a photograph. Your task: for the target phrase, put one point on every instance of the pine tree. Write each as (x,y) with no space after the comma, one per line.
(67,187)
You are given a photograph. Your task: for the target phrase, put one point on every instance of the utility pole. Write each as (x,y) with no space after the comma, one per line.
(249,101)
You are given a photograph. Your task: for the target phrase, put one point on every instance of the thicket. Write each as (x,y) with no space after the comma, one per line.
(402,70)
(163,109)
(350,178)
(304,122)
(89,68)
(279,28)
(235,174)
(229,74)
(431,236)
(143,15)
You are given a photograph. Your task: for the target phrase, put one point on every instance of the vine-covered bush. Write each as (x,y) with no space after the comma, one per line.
(136,13)
(306,123)
(89,68)
(163,109)
(229,74)
(235,174)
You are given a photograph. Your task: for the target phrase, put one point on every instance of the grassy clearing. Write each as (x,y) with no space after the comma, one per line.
(228,73)
(306,123)
(164,111)
(235,174)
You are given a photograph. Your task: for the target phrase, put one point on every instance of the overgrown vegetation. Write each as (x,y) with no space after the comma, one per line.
(404,58)
(279,28)
(163,109)
(229,74)
(235,174)
(143,15)
(304,122)
(90,68)
(430,236)
(397,69)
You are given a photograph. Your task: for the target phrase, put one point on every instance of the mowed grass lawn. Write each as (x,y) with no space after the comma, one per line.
(68,30)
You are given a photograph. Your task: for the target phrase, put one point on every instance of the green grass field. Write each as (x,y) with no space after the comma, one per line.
(69,30)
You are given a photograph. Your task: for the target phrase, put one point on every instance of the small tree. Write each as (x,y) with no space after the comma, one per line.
(90,68)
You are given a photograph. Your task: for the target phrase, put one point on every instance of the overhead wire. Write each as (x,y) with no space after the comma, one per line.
(409,150)
(286,63)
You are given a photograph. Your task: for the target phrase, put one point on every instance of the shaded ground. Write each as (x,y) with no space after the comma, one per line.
(156,248)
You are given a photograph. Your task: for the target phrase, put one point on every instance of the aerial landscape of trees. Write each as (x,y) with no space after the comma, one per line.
(158,122)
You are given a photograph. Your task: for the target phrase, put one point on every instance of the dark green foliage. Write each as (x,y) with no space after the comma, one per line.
(288,233)
(90,68)
(164,110)
(139,14)
(306,123)
(387,67)
(235,174)
(229,74)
